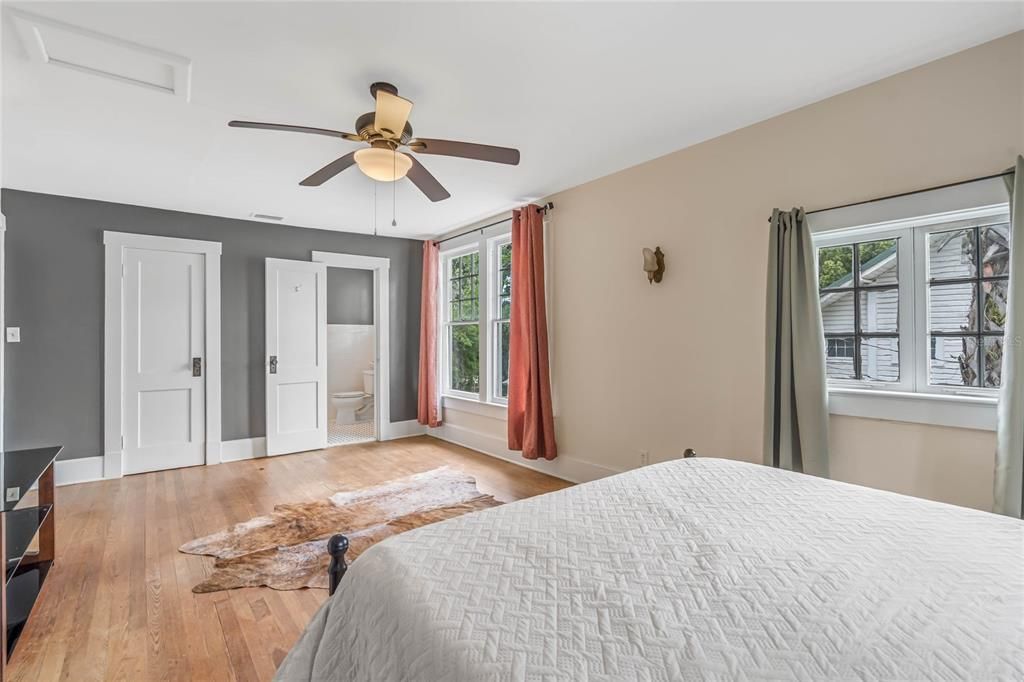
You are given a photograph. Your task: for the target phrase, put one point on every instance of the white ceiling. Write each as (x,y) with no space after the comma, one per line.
(582,90)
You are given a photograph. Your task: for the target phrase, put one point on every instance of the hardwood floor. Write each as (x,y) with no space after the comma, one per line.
(118,603)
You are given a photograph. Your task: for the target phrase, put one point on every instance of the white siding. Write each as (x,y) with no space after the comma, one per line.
(948,305)
(879,312)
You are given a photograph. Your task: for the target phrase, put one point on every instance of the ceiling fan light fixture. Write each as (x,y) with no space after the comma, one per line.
(383,164)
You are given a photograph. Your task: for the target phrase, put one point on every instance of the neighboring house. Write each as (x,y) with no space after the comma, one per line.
(949,308)
(880,313)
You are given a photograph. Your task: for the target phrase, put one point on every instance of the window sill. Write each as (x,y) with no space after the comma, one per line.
(938,409)
(483,409)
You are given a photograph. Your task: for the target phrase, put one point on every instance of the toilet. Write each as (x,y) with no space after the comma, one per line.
(346,403)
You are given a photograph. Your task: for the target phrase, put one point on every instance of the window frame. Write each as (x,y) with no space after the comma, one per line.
(913,330)
(905,311)
(486,243)
(494,318)
(974,219)
(846,346)
(447,323)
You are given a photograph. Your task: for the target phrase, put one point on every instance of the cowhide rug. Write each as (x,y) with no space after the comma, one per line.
(287,549)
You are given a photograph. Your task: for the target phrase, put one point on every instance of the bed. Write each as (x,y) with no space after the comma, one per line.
(691,569)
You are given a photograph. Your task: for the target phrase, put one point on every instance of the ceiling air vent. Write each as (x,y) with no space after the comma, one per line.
(48,41)
(266,217)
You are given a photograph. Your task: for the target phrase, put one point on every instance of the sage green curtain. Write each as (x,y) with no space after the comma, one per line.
(796,399)
(1009,483)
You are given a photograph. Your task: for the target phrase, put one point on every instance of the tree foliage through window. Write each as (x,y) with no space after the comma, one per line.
(835,263)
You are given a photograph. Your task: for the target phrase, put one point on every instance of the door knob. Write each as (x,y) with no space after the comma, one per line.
(197,367)
(273,364)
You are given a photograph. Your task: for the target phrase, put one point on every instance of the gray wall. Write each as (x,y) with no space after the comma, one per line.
(350,296)
(54,379)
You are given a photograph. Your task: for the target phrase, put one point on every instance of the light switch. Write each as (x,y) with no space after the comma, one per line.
(14,335)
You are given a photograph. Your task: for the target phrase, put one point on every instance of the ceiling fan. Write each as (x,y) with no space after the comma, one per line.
(387,130)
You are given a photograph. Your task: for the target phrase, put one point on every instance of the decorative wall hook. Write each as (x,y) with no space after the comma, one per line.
(654,264)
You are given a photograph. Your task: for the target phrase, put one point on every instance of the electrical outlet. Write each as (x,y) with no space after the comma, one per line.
(14,335)
(645,458)
(13,494)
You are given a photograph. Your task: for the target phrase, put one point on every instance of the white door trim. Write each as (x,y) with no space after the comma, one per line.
(114,244)
(381,268)
(3,326)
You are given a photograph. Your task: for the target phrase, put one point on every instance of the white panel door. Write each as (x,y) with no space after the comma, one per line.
(164,344)
(296,356)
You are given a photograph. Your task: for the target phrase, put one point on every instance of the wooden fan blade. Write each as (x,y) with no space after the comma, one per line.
(466,150)
(392,114)
(426,182)
(329,171)
(294,129)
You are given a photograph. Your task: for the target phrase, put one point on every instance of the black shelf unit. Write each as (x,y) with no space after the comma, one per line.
(22,526)
(27,534)
(23,469)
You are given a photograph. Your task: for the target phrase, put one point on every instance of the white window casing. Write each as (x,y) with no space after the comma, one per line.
(487,244)
(912,398)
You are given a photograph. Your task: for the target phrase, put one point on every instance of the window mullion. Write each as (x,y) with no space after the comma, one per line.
(911,343)
(858,369)
(482,290)
(980,302)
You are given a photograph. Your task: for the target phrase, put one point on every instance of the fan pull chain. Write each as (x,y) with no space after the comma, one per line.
(394,187)
(374,207)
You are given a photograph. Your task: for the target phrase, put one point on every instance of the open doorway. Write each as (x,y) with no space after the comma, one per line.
(351,357)
(356,341)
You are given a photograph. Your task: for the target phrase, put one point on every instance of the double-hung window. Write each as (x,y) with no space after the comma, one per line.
(500,309)
(916,305)
(477,295)
(858,286)
(462,327)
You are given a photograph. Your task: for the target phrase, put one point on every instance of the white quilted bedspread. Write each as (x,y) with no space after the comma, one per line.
(693,569)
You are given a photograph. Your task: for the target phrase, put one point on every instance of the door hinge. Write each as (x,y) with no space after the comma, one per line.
(122,270)
(122,442)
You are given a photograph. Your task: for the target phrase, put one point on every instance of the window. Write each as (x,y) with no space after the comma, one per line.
(500,309)
(463,325)
(916,305)
(478,299)
(968,273)
(859,292)
(840,347)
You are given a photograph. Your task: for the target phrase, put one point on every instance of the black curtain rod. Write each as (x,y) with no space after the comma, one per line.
(1008,171)
(541,209)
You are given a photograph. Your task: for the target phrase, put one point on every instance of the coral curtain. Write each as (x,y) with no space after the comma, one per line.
(428,409)
(1009,476)
(531,421)
(796,400)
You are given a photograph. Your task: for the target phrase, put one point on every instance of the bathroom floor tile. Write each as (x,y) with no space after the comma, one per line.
(347,434)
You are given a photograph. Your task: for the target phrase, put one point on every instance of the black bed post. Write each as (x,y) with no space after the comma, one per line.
(336,547)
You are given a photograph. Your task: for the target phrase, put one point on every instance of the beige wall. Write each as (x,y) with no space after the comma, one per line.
(680,364)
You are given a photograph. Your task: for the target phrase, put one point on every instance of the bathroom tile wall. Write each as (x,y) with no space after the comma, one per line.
(350,350)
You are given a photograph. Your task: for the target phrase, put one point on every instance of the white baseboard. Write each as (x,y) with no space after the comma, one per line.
(251,448)
(566,468)
(405,429)
(86,469)
(243,448)
(81,470)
